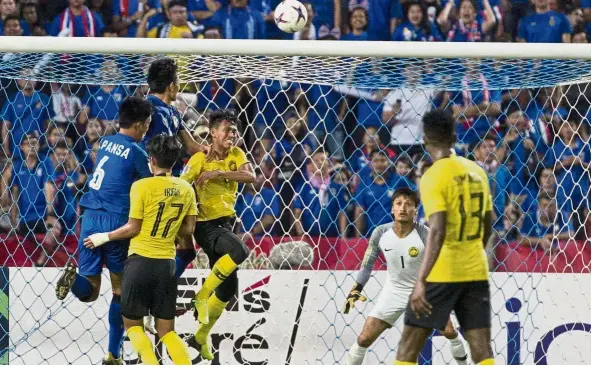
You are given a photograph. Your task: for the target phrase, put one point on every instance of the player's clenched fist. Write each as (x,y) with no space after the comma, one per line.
(354,295)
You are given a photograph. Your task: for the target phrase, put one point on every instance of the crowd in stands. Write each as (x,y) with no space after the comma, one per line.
(327,161)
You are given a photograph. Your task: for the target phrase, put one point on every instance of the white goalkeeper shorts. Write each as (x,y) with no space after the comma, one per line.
(390,306)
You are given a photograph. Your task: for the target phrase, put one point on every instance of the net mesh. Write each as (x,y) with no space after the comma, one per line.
(309,215)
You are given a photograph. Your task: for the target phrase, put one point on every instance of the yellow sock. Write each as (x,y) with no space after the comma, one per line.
(403,363)
(221,270)
(142,345)
(215,310)
(177,349)
(488,361)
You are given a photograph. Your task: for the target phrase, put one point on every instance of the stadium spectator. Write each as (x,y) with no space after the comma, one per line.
(371,142)
(63,185)
(291,151)
(265,7)
(570,157)
(320,202)
(26,179)
(327,13)
(177,25)
(546,225)
(416,25)
(103,103)
(78,20)
(12,26)
(357,22)
(585,5)
(485,154)
(309,32)
(383,16)
(517,151)
(53,136)
(258,206)
(127,15)
(104,8)
(470,27)
(23,113)
(373,196)
(31,19)
(7,7)
(515,10)
(65,105)
(579,35)
(473,107)
(93,132)
(203,10)
(575,16)
(404,166)
(544,25)
(239,21)
(404,109)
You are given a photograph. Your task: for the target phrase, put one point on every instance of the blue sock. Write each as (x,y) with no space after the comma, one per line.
(115,326)
(182,260)
(81,288)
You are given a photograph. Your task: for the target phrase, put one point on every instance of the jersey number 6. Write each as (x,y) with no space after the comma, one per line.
(169,223)
(99,175)
(476,214)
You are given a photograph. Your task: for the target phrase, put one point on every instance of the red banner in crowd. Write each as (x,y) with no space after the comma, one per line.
(336,254)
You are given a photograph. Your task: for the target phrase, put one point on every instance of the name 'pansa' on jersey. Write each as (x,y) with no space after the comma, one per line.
(120,162)
(403,255)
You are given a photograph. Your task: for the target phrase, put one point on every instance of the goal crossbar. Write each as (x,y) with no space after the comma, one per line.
(295,48)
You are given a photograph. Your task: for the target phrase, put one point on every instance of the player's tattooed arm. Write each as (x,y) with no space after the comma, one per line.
(130,229)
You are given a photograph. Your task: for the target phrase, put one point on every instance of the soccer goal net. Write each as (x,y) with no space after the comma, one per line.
(332,129)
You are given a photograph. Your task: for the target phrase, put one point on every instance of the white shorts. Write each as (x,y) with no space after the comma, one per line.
(390,306)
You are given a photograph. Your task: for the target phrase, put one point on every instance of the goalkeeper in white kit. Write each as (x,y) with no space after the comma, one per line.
(402,242)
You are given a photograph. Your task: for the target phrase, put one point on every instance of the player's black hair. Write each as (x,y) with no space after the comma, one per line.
(229,114)
(176,3)
(439,127)
(132,110)
(167,150)
(161,74)
(406,191)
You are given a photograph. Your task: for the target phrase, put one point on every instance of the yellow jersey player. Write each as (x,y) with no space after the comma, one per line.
(216,177)
(454,271)
(162,208)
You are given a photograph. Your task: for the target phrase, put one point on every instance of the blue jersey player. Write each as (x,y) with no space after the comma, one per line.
(163,81)
(120,162)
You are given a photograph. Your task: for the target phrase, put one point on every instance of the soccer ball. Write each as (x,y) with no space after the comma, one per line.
(290,16)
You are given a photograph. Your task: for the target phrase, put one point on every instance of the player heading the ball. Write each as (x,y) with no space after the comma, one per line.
(402,243)
(161,208)
(216,177)
(454,271)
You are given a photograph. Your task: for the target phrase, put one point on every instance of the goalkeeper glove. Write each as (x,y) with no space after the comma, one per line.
(354,295)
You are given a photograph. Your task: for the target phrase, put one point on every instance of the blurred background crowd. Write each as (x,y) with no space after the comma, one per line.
(328,158)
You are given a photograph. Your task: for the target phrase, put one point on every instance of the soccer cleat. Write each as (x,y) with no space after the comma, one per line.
(201,309)
(149,324)
(203,349)
(110,360)
(66,281)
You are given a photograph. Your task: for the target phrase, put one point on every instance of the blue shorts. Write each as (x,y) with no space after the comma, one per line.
(112,254)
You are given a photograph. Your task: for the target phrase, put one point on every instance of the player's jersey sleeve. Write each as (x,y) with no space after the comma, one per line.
(433,194)
(137,200)
(239,156)
(423,232)
(371,254)
(141,164)
(194,167)
(190,201)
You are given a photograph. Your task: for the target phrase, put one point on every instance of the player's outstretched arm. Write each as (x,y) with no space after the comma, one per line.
(370,256)
(191,146)
(185,234)
(128,230)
